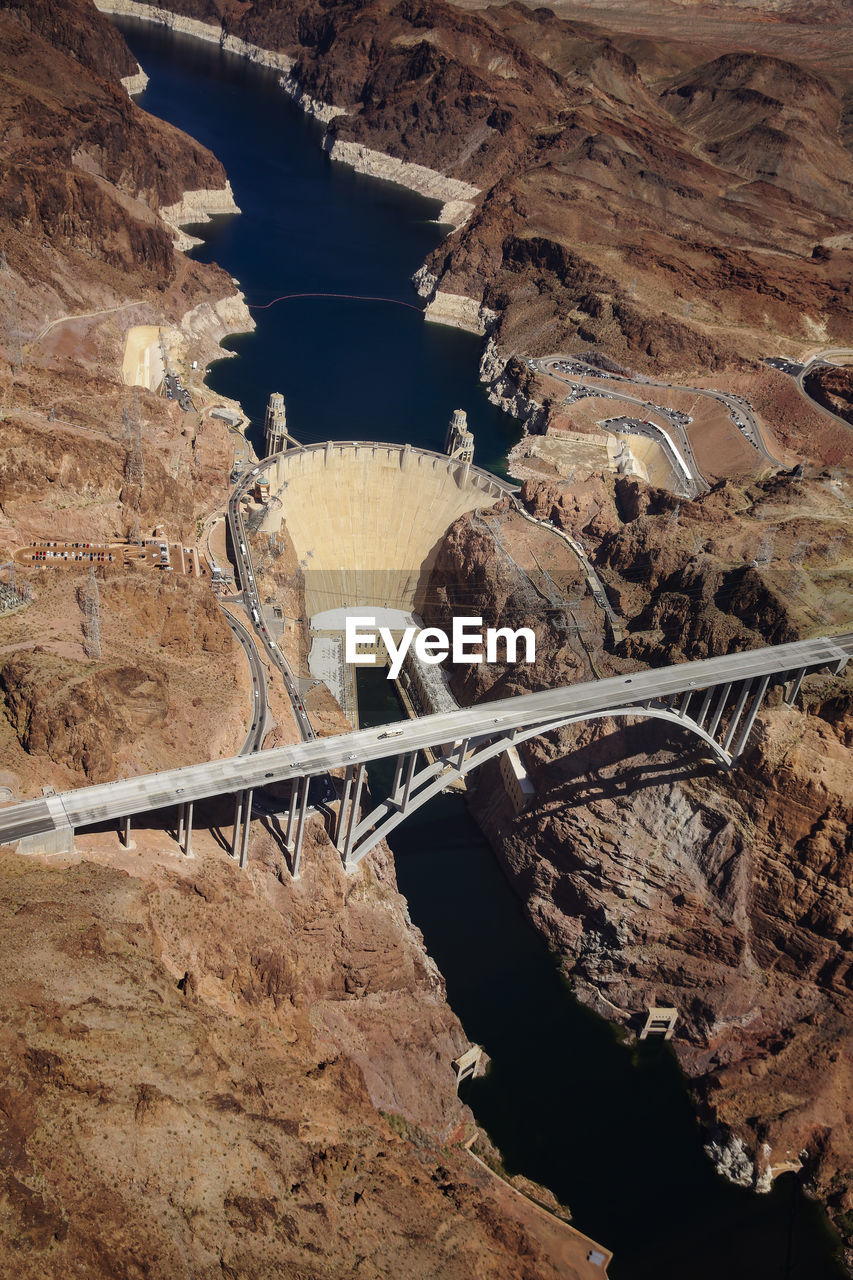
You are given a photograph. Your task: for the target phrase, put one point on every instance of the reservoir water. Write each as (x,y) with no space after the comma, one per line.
(348,369)
(610,1128)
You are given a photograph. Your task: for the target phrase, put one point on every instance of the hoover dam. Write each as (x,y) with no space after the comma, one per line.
(367,519)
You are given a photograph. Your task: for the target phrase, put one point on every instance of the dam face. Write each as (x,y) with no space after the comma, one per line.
(367,519)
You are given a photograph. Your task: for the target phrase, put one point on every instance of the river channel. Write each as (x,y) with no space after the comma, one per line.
(609,1127)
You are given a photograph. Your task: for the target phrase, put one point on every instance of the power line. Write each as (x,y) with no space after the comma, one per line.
(92,609)
(13,326)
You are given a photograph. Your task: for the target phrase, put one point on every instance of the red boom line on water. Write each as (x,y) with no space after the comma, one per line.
(351,297)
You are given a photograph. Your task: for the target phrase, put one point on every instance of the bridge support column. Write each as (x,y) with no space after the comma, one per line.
(247,822)
(124,831)
(352,816)
(703,710)
(718,710)
(407,785)
(738,712)
(238,818)
(398,775)
(188,828)
(750,718)
(685,703)
(791,696)
(181,823)
(344,809)
(291,813)
(300,827)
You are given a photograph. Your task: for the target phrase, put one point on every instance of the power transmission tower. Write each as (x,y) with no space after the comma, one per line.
(798,555)
(764,554)
(13,325)
(672,519)
(134,467)
(92,608)
(833,550)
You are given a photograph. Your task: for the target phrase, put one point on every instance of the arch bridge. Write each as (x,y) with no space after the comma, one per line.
(715,699)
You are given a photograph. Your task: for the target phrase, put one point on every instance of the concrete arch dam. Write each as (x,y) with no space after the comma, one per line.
(367,519)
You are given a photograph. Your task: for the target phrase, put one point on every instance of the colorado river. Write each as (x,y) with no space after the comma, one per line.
(610,1128)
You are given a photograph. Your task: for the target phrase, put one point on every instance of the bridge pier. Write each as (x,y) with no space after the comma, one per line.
(703,710)
(398,774)
(187,822)
(737,713)
(791,696)
(719,709)
(751,714)
(407,786)
(401,798)
(238,818)
(351,818)
(247,822)
(124,831)
(344,809)
(298,808)
(291,813)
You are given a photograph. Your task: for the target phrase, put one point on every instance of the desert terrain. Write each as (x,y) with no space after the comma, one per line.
(242,1073)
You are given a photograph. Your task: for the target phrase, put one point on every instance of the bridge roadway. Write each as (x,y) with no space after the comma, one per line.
(497,724)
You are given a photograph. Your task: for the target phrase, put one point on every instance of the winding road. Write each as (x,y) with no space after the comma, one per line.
(260,710)
(739,410)
(822,357)
(252,600)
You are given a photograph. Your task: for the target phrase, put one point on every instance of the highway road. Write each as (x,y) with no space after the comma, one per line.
(822,357)
(113,800)
(260,707)
(252,600)
(739,410)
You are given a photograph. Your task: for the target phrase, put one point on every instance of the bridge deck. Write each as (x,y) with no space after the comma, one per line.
(108,801)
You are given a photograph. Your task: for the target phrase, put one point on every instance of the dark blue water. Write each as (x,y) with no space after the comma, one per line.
(611,1129)
(347,370)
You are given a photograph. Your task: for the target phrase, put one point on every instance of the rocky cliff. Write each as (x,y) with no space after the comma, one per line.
(201,1071)
(610,193)
(833,388)
(656,878)
(205,1071)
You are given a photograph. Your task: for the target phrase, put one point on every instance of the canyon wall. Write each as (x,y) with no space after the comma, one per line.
(201,1070)
(656,878)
